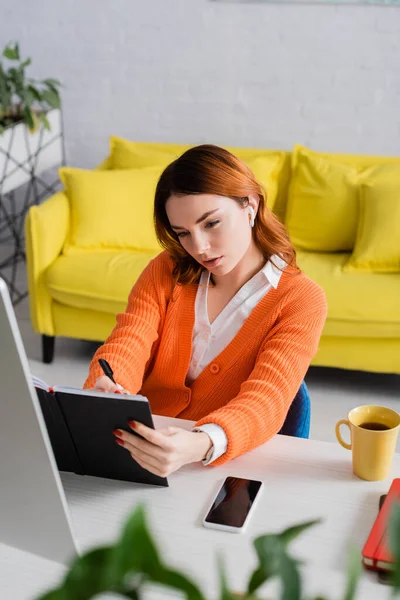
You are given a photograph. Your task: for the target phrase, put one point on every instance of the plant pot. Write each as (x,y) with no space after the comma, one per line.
(23,154)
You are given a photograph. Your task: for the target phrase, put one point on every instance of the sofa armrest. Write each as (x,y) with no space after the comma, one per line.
(46,230)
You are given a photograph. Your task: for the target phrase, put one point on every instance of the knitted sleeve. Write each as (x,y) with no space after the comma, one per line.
(131,344)
(258,411)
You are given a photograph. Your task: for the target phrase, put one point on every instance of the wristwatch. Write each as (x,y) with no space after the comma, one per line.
(210,451)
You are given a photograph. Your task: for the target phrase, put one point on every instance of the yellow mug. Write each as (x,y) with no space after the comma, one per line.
(373,433)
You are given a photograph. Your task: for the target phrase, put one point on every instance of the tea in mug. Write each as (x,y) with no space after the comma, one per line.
(374,426)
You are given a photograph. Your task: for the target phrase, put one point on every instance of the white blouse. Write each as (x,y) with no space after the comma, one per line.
(210,339)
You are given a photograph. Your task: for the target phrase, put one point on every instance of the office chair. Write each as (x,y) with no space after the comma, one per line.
(297,422)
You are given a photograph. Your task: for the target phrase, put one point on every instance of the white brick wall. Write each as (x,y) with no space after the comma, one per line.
(266,75)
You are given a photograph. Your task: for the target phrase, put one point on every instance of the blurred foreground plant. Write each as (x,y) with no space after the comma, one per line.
(134,561)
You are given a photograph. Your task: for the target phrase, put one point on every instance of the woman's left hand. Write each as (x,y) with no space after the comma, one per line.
(163,451)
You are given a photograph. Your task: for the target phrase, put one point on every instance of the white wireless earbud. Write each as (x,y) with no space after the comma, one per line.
(252,215)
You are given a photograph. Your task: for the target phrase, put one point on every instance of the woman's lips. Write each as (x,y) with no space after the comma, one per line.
(212,263)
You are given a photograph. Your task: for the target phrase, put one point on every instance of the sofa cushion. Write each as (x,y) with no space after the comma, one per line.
(265,164)
(125,154)
(96,280)
(360,162)
(111,209)
(359,304)
(322,207)
(377,246)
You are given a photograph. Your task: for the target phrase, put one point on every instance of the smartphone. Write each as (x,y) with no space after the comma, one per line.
(232,506)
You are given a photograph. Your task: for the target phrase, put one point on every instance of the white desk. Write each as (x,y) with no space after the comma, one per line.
(303,480)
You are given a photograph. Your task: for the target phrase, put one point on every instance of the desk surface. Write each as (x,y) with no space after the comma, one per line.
(303,480)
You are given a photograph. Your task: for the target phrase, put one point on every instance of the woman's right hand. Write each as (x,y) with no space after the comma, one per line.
(104,384)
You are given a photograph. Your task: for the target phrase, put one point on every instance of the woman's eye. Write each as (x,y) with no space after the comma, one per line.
(212,223)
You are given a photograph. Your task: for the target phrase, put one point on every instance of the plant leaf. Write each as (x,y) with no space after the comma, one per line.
(256,580)
(28,97)
(135,551)
(51,97)
(28,117)
(44,120)
(291,533)
(36,93)
(269,550)
(15,75)
(275,561)
(394,531)
(89,575)
(353,573)
(132,594)
(51,82)
(26,63)
(111,568)
(291,584)
(16,81)
(4,89)
(394,543)
(177,581)
(11,52)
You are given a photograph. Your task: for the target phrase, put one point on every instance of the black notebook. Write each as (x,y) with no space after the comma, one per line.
(80,425)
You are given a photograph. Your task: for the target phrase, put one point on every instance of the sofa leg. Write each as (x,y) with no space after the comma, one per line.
(48,348)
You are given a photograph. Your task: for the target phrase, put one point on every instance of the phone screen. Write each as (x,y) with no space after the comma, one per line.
(233,502)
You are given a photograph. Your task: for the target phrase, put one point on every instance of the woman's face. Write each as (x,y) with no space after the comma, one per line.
(213,229)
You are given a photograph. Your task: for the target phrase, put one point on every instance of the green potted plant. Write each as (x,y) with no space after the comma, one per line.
(30,121)
(124,571)
(31,142)
(24,99)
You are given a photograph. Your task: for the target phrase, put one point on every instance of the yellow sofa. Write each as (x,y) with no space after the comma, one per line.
(75,290)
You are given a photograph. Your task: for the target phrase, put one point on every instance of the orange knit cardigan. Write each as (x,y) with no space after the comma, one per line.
(248,388)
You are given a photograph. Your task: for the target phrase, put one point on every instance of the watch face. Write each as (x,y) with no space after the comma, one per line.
(209,454)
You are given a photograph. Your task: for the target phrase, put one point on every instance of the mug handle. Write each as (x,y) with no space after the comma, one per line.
(338,434)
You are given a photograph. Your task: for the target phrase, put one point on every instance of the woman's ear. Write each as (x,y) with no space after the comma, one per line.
(253,201)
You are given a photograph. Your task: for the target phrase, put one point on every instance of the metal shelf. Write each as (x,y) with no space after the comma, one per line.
(28,176)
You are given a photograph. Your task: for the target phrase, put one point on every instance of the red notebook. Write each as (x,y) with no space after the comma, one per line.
(376,554)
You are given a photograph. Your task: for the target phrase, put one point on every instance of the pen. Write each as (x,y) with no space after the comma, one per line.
(107,370)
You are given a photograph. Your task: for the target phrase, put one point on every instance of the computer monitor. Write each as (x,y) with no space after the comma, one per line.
(34,514)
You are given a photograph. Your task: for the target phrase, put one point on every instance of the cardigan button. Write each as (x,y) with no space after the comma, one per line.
(214,368)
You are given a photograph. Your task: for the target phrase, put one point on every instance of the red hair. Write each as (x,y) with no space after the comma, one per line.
(209,169)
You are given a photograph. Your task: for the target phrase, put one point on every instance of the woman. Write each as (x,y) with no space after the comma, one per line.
(220,328)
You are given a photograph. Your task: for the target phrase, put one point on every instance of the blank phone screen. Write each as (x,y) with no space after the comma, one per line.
(233,502)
